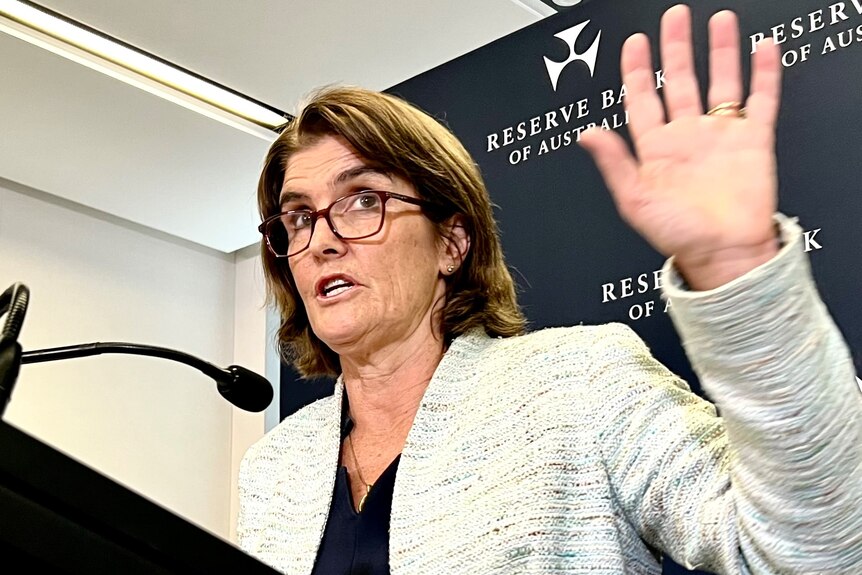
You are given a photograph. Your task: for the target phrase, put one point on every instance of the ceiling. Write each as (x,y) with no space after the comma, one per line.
(84,137)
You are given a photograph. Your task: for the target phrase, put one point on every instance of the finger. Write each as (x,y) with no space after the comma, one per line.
(766,70)
(641,101)
(725,73)
(681,92)
(615,162)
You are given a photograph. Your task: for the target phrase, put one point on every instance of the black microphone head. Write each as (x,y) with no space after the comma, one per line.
(246,389)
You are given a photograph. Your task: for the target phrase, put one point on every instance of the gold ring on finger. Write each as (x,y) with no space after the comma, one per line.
(733,109)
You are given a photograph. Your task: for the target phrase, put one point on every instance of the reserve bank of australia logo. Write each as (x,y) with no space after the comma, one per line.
(570,36)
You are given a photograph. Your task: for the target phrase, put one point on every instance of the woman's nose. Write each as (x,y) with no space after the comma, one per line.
(323,239)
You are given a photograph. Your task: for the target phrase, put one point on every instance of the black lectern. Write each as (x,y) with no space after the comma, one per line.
(58,514)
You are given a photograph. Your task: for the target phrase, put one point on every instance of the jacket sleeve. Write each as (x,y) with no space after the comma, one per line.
(774,485)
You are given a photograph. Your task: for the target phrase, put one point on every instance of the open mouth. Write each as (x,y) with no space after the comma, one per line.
(334,286)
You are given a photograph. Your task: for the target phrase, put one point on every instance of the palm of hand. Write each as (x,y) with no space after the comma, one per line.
(704,184)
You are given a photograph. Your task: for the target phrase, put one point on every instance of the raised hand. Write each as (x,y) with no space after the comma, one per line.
(703,187)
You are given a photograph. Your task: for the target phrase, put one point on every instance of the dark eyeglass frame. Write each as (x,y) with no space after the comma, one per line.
(428,208)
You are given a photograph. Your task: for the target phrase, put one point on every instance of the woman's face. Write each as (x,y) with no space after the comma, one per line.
(363,296)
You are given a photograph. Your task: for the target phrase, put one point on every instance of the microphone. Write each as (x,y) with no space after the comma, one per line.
(240,386)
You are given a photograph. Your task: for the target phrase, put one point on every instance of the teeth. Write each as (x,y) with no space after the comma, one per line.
(332,283)
(337,291)
(336,286)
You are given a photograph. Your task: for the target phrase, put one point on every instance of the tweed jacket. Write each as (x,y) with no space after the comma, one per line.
(571,450)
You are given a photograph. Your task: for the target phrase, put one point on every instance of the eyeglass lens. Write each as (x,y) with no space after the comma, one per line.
(352,217)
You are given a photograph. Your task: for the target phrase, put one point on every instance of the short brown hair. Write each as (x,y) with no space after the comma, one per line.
(406,142)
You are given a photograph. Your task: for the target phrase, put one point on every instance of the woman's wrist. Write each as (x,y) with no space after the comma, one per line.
(719,268)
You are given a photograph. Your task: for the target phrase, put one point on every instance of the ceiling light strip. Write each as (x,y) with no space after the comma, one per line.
(96,50)
(536,7)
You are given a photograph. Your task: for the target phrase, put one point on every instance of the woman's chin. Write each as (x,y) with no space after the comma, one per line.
(339,338)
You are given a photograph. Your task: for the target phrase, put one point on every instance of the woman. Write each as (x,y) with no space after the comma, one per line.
(453,444)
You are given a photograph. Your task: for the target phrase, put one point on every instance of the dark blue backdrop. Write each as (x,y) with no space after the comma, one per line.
(569,249)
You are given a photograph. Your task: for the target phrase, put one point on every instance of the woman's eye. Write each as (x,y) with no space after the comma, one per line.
(298,221)
(367,201)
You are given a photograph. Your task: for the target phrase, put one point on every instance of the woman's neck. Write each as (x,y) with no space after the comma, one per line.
(385,390)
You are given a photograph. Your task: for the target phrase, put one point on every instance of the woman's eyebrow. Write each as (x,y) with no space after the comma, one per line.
(288,196)
(348,175)
(341,178)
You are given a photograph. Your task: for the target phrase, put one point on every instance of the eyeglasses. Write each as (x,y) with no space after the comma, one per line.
(352,217)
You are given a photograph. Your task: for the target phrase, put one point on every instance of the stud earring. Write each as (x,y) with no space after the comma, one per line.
(450,268)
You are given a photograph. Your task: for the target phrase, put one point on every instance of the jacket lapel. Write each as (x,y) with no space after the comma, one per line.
(300,505)
(426,462)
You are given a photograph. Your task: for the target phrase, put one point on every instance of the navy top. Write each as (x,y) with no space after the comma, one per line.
(357,543)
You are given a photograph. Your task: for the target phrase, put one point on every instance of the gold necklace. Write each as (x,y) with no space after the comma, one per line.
(359,472)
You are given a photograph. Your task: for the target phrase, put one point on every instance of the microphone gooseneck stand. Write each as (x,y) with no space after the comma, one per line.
(240,386)
(14,301)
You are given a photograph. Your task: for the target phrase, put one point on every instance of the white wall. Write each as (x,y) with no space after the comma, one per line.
(158,427)
(253,348)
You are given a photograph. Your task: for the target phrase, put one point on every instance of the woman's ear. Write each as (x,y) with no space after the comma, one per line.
(456,244)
